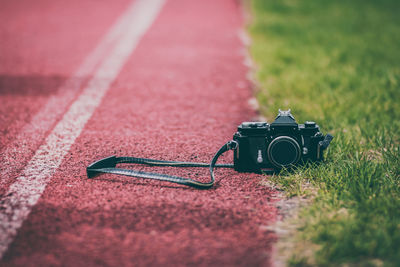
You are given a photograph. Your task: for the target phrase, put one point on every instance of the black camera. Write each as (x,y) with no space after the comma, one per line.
(281,144)
(258,147)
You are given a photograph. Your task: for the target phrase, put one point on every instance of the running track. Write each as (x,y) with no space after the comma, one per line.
(81,80)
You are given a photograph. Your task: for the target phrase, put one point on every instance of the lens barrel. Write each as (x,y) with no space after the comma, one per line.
(283,151)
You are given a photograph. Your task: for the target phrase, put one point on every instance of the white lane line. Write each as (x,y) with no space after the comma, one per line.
(14,155)
(26,191)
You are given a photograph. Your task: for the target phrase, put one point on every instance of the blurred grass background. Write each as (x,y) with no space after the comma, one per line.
(338,63)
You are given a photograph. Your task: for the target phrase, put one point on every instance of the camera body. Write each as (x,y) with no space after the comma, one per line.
(281,144)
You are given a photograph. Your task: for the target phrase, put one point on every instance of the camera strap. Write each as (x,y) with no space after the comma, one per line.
(108,165)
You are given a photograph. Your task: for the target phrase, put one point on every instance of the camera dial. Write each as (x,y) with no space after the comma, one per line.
(310,124)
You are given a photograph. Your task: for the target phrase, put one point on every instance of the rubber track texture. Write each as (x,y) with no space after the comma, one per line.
(180,97)
(43,69)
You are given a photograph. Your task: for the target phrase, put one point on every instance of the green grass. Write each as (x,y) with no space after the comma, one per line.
(338,63)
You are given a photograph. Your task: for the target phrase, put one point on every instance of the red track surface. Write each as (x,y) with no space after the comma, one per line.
(42,43)
(180,97)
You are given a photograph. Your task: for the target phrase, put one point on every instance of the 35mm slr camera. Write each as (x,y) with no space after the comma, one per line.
(281,144)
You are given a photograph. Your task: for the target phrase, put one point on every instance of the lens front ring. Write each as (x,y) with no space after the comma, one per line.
(283,151)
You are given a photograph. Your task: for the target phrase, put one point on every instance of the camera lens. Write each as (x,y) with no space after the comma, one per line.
(283,151)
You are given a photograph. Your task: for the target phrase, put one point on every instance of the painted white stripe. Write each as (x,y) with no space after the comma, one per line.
(57,104)
(26,191)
